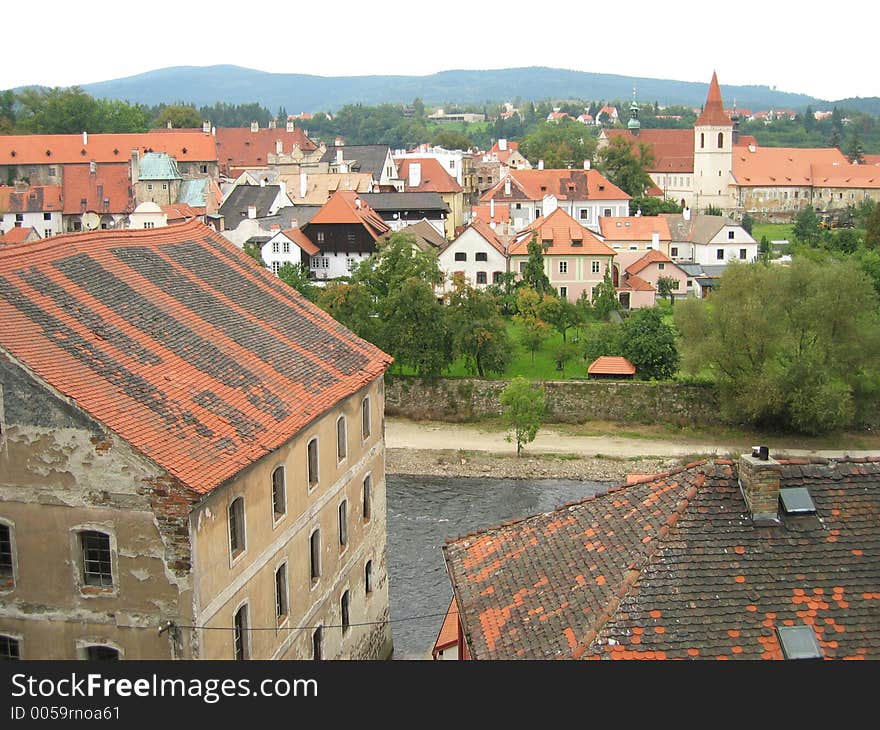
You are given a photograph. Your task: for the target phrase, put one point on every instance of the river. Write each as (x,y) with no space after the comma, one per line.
(423,512)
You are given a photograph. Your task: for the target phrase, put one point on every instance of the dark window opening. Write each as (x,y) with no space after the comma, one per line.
(97,563)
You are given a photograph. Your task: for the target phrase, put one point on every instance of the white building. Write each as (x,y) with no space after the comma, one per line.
(477,254)
(287,247)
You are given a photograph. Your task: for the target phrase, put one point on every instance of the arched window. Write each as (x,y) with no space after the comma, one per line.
(702,140)
(721,140)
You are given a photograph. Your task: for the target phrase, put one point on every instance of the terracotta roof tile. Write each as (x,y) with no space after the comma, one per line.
(177,341)
(651,257)
(673,149)
(634,228)
(19,234)
(565,234)
(107,190)
(563,184)
(608,365)
(686,573)
(786,166)
(448,635)
(346,206)
(239,147)
(713,111)
(34,199)
(432,178)
(300,239)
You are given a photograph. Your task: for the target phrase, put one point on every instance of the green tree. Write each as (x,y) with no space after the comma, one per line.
(560,313)
(416,329)
(479,334)
(605,299)
(789,347)
(713,210)
(855,151)
(666,287)
(747,223)
(57,111)
(562,145)
(649,344)
(872,229)
(764,249)
(563,353)
(649,205)
(625,163)
(179,116)
(352,305)
(524,409)
(297,276)
(397,259)
(806,227)
(533,274)
(603,339)
(504,292)
(534,332)
(452,140)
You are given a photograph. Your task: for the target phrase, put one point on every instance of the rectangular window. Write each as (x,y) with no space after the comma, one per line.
(522,266)
(164,186)
(7,572)
(481,256)
(368,577)
(276,267)
(481,277)
(47,216)
(236,527)
(276,247)
(285,247)
(742,254)
(719,254)
(497,277)
(281,604)
(340,438)
(240,634)
(47,232)
(607,212)
(563,292)
(344,610)
(312,462)
(149,186)
(595,267)
(350,263)
(315,555)
(563,267)
(368,497)
(351,237)
(730,235)
(318,644)
(365,419)
(661,266)
(343,523)
(279,496)
(585,214)
(19,218)
(674,251)
(9,648)
(320,236)
(97,564)
(460,256)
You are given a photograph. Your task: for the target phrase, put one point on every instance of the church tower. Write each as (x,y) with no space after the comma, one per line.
(634,125)
(713,154)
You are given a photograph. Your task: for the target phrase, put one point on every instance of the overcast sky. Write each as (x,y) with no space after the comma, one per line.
(765,42)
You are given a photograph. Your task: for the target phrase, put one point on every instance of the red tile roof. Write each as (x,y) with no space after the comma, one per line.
(783,166)
(564,233)
(673,149)
(845,176)
(180,212)
(651,257)
(239,147)
(673,567)
(35,199)
(107,190)
(871,159)
(635,283)
(485,230)
(433,178)
(50,149)
(179,342)
(346,206)
(563,184)
(634,228)
(448,635)
(502,212)
(300,239)
(20,234)
(713,111)
(609,365)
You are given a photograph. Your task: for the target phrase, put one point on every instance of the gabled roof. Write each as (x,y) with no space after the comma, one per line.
(448,635)
(51,149)
(348,207)
(699,229)
(198,192)
(35,199)
(177,341)
(563,184)
(487,234)
(433,178)
(19,234)
(713,111)
(107,190)
(405,201)
(484,212)
(241,197)
(651,257)
(610,365)
(845,176)
(180,212)
(302,240)
(427,237)
(366,157)
(673,567)
(320,186)
(239,147)
(157,166)
(633,228)
(635,283)
(564,233)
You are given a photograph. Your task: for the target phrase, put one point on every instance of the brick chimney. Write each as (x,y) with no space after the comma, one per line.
(255,126)
(252,211)
(206,126)
(759,478)
(290,124)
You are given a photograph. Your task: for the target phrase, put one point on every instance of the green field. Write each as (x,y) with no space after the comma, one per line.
(773,231)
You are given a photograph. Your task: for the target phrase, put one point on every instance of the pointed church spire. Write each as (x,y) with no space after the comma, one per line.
(634,125)
(713,112)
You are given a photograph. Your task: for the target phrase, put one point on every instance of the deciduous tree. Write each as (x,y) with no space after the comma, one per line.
(524,409)
(479,334)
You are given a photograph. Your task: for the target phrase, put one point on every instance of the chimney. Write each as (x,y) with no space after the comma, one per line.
(206,126)
(759,478)
(255,126)
(271,124)
(655,239)
(278,146)
(507,186)
(357,203)
(303,184)
(263,182)
(502,145)
(168,125)
(492,209)
(415,174)
(213,131)
(686,213)
(540,164)
(340,142)
(252,211)
(339,154)
(85,138)
(135,166)
(290,124)
(586,164)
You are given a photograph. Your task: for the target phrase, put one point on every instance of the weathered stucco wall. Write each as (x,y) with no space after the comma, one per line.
(61,473)
(571,401)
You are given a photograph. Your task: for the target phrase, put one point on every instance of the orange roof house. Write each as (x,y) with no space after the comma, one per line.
(635,229)
(346,207)
(713,113)
(106,190)
(239,148)
(20,234)
(694,563)
(448,637)
(613,367)
(563,184)
(30,199)
(431,177)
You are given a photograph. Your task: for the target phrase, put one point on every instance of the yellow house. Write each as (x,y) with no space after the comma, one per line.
(191,458)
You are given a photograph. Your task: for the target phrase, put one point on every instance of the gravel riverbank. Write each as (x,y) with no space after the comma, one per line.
(455,463)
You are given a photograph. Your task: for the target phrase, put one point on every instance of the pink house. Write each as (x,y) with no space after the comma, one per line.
(648,268)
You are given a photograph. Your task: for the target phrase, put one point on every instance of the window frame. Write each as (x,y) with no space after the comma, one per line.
(282,594)
(312,463)
(481,256)
(91,533)
(10,580)
(11,639)
(366,419)
(318,643)
(279,488)
(240,634)
(367,498)
(341,439)
(315,556)
(345,611)
(342,525)
(368,578)
(237,528)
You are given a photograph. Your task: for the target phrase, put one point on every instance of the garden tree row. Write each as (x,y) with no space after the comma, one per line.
(790,347)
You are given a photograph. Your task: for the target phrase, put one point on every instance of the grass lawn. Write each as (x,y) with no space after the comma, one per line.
(773,231)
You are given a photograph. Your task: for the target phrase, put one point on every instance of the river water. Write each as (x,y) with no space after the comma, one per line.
(423,512)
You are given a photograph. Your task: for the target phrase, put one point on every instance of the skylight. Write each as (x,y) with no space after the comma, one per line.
(797,501)
(799,642)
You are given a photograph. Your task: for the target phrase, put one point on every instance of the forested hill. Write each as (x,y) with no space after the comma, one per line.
(298,92)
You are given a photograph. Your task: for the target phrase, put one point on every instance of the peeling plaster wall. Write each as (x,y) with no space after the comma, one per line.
(61,472)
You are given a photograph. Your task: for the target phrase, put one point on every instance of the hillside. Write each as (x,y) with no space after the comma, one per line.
(299,92)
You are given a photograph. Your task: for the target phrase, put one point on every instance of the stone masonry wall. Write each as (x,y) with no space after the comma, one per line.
(570,401)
